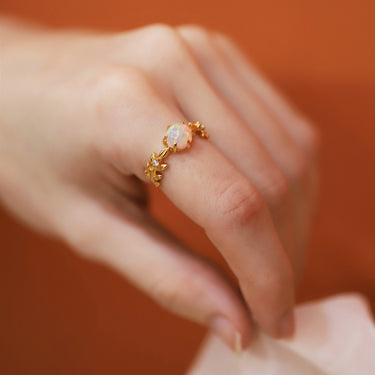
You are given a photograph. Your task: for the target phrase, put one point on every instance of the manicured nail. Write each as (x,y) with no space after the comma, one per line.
(227,332)
(238,343)
(287,324)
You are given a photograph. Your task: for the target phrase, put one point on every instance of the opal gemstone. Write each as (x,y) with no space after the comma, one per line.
(179,134)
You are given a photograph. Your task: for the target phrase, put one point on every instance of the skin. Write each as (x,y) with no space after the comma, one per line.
(80,114)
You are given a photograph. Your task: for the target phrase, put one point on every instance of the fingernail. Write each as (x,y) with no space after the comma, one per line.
(227,332)
(287,324)
(238,343)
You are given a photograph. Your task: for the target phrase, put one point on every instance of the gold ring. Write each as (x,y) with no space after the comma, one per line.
(178,138)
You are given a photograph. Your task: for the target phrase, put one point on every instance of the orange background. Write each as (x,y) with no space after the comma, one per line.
(62,315)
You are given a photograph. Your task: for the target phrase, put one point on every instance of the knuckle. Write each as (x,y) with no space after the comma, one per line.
(166,38)
(201,43)
(275,189)
(120,78)
(310,137)
(313,140)
(238,204)
(167,296)
(223,39)
(172,50)
(116,87)
(272,283)
(161,31)
(298,168)
(170,291)
(196,33)
(278,280)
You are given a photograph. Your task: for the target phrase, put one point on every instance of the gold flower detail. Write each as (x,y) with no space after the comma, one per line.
(154,169)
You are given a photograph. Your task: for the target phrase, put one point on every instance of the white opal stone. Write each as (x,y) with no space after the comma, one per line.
(179,134)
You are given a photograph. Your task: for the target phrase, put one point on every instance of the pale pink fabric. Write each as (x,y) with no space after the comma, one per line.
(334,336)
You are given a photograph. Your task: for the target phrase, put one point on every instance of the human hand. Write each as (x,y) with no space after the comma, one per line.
(80,116)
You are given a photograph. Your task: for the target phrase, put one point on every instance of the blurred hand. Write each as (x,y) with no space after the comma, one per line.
(80,115)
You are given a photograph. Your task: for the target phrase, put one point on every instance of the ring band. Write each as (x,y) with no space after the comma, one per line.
(178,137)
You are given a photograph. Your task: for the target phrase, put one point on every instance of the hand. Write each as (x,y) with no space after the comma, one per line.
(80,115)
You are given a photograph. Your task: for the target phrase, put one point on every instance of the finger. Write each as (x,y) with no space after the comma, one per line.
(282,147)
(143,252)
(214,194)
(304,133)
(208,188)
(299,128)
